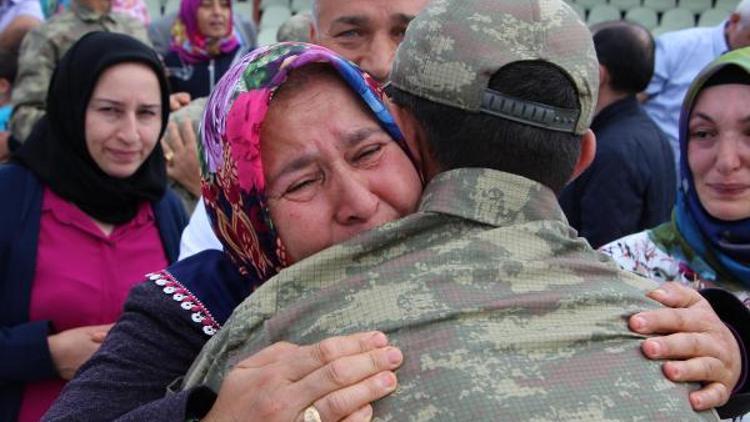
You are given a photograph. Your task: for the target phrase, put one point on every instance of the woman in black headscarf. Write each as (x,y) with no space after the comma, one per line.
(85,214)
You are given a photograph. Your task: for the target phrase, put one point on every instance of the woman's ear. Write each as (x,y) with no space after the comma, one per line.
(587,154)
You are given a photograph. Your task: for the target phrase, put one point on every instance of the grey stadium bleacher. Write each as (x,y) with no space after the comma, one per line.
(659,16)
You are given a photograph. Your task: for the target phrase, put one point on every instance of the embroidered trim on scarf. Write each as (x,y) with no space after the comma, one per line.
(188,302)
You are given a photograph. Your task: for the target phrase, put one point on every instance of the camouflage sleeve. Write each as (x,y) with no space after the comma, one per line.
(36,61)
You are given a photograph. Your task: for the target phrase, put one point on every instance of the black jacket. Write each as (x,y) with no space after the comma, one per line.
(631,184)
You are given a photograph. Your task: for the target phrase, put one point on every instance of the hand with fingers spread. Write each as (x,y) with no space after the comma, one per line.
(698,345)
(333,380)
(181,153)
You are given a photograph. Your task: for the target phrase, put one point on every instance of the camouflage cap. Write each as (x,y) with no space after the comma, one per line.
(452,49)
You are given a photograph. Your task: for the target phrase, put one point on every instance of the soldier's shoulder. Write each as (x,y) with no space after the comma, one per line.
(64,18)
(56,25)
(127,20)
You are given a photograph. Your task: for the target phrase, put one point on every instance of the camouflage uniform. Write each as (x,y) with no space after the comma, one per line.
(501,312)
(44,46)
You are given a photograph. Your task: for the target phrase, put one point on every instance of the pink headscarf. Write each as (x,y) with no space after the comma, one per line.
(188,41)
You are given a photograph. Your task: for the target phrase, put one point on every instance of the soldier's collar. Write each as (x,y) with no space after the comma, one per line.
(490,197)
(87,14)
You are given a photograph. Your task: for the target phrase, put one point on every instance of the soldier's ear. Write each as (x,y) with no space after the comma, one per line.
(587,154)
(603,76)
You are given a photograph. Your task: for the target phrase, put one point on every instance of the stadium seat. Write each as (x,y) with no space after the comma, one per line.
(244,9)
(301,6)
(590,4)
(624,5)
(267,36)
(660,6)
(726,5)
(603,13)
(675,19)
(266,3)
(695,6)
(644,16)
(578,9)
(712,17)
(274,15)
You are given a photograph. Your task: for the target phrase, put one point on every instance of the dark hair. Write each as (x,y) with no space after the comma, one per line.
(8,65)
(626,49)
(458,138)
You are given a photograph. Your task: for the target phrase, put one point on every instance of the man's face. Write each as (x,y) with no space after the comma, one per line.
(366,32)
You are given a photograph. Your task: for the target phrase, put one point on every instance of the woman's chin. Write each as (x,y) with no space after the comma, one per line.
(730,210)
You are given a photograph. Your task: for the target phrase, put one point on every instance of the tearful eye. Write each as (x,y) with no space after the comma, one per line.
(368,154)
(303,189)
(300,186)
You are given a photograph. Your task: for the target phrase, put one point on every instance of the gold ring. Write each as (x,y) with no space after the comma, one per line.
(169,155)
(311,414)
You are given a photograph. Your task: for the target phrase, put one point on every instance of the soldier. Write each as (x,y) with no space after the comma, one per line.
(43,47)
(501,312)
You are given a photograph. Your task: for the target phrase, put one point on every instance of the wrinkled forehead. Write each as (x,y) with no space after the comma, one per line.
(237,108)
(315,83)
(373,12)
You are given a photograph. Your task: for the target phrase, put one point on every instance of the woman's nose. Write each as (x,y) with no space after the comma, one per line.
(380,58)
(727,157)
(129,128)
(355,203)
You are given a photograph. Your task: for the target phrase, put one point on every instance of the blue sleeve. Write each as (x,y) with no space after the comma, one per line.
(24,353)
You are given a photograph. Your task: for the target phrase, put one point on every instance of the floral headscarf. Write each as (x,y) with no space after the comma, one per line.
(188,41)
(725,244)
(233,180)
